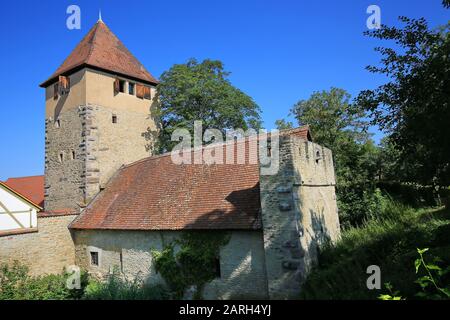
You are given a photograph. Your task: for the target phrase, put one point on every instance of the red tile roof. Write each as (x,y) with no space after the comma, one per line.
(31,188)
(156,194)
(101,49)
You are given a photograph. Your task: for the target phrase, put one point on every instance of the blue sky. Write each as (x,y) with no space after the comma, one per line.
(278,52)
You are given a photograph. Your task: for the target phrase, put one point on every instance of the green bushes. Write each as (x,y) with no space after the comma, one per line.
(17,284)
(429,283)
(117,288)
(413,194)
(389,241)
(194,264)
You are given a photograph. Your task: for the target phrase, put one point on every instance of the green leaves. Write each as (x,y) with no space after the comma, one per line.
(201,91)
(338,124)
(412,107)
(193,264)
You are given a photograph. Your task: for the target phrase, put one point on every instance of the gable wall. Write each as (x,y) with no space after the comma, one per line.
(23,215)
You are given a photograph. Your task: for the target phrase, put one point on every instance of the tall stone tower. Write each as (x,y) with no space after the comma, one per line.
(98,111)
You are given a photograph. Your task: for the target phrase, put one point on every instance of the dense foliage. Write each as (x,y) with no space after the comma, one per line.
(339,125)
(193,263)
(388,240)
(17,284)
(201,91)
(413,107)
(115,287)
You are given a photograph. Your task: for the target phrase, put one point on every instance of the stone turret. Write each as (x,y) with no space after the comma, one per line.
(299,213)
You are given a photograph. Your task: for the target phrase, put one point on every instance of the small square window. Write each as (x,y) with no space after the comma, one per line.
(94,258)
(131,88)
(114,118)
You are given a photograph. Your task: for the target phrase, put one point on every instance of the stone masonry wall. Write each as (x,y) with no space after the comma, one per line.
(100,147)
(299,212)
(64,180)
(242,264)
(47,251)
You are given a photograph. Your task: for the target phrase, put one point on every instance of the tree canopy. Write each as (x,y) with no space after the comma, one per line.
(202,91)
(341,126)
(413,107)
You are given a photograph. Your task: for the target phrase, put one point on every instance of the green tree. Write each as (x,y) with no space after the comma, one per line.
(201,91)
(413,107)
(340,126)
(282,124)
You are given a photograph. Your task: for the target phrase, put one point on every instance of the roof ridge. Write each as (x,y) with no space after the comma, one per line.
(94,36)
(223,143)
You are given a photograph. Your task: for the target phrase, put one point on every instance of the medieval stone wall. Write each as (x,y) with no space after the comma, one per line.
(64,180)
(299,213)
(93,149)
(242,264)
(47,251)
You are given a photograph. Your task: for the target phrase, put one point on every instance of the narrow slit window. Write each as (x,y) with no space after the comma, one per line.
(318,156)
(114,118)
(57,124)
(217,267)
(131,88)
(73,155)
(61,157)
(55,91)
(94,258)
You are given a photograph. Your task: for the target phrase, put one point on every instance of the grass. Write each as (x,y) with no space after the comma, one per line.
(389,241)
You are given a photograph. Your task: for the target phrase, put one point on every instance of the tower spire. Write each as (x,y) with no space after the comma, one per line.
(100,15)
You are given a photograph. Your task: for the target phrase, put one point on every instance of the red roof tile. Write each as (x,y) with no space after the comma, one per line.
(31,188)
(101,49)
(156,194)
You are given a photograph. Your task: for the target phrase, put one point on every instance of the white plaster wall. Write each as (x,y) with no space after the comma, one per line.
(13,203)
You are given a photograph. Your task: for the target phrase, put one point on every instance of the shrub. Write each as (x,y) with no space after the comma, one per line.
(429,281)
(389,241)
(16,284)
(117,288)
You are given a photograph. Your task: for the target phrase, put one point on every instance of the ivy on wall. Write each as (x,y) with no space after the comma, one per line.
(194,263)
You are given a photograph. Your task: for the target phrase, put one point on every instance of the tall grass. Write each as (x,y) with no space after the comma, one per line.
(388,240)
(117,288)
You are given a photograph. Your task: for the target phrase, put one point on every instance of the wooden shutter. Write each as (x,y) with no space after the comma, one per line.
(64,85)
(116,86)
(55,91)
(140,91)
(147,93)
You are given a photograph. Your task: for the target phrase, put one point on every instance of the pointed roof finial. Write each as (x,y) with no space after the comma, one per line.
(100,15)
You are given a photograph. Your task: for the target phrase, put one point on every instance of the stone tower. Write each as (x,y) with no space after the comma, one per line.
(299,213)
(98,116)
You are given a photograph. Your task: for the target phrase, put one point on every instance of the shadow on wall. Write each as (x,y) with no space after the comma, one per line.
(151,135)
(242,264)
